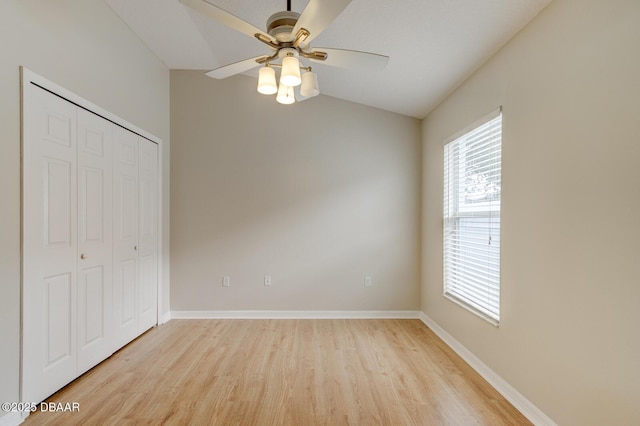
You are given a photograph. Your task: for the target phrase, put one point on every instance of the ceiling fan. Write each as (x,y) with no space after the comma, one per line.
(289,35)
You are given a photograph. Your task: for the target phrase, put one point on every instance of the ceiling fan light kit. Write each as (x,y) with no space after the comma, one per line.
(290,74)
(288,35)
(267,81)
(309,87)
(286,95)
(289,78)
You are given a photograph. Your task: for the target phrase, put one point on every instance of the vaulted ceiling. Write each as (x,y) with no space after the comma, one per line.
(433,45)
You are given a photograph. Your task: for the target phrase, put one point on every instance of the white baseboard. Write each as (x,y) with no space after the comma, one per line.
(295,314)
(165,318)
(526,407)
(11,419)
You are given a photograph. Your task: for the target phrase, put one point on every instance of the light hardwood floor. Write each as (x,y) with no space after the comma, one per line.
(284,372)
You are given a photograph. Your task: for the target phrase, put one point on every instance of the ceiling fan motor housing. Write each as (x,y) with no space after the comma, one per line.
(281,24)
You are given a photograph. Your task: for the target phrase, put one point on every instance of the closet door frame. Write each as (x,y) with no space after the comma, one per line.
(28,79)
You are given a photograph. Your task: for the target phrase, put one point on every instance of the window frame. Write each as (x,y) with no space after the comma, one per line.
(455,211)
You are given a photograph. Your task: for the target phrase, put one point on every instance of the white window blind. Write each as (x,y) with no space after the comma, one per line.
(472,186)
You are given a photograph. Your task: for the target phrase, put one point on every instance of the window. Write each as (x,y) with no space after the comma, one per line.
(472,186)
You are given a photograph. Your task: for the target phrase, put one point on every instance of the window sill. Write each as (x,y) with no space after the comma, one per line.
(473,310)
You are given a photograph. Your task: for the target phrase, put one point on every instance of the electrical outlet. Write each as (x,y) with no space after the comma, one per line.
(226,281)
(367,281)
(267,280)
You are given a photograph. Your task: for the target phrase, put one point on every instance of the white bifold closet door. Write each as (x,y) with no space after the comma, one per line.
(135,241)
(90,232)
(50,311)
(95,285)
(148,235)
(68,285)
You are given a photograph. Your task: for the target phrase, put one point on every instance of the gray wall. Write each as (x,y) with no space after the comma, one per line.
(83,46)
(569,338)
(317,195)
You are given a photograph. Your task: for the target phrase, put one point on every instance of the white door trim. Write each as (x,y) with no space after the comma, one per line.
(29,77)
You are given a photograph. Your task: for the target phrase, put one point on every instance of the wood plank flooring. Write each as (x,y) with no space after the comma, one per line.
(284,372)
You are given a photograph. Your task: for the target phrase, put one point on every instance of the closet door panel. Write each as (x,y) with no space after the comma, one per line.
(92,313)
(148,242)
(95,293)
(149,280)
(50,244)
(128,279)
(58,195)
(125,238)
(58,307)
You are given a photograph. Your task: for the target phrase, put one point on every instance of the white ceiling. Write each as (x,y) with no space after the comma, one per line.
(433,45)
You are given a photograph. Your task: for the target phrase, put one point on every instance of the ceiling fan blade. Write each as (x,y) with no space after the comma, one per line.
(224,17)
(318,15)
(352,59)
(235,68)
